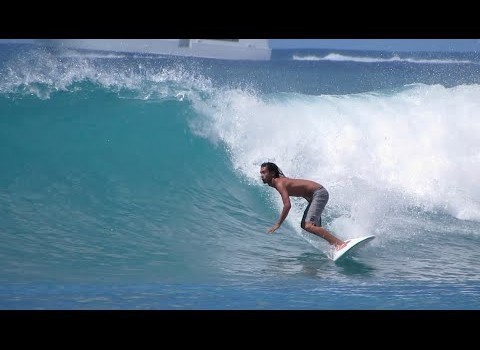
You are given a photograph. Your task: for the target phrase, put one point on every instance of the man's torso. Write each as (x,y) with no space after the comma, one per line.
(300,187)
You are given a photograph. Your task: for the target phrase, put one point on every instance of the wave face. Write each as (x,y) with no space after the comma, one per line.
(144,171)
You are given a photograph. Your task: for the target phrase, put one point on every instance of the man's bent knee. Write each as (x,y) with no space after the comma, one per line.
(308,225)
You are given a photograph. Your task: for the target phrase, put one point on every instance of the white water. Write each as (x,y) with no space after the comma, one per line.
(380,155)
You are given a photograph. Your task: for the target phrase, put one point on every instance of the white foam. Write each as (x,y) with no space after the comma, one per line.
(377,154)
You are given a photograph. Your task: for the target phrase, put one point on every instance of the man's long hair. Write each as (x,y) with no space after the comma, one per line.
(273,167)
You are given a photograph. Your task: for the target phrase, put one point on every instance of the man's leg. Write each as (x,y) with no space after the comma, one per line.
(321,232)
(312,218)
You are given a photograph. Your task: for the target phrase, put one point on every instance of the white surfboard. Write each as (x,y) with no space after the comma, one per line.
(352,245)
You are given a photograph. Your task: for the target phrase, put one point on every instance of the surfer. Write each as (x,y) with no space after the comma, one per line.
(315,194)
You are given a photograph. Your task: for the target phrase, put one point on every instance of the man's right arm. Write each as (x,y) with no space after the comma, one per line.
(286,207)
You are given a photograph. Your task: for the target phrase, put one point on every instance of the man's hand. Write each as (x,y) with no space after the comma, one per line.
(273,228)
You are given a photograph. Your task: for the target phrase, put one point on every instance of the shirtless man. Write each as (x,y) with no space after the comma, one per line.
(314,193)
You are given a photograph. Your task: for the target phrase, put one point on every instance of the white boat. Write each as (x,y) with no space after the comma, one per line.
(230,49)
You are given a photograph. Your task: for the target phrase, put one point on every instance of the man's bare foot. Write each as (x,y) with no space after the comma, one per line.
(340,246)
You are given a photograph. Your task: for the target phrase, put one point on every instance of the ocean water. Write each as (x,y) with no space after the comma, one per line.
(132,181)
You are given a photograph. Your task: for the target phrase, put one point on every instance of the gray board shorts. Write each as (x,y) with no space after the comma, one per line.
(313,212)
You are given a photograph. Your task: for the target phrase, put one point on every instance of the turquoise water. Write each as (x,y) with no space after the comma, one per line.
(132,182)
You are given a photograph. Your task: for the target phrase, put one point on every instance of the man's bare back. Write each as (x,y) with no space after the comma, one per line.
(297,187)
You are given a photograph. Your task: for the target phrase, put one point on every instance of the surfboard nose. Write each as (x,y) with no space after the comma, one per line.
(352,246)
